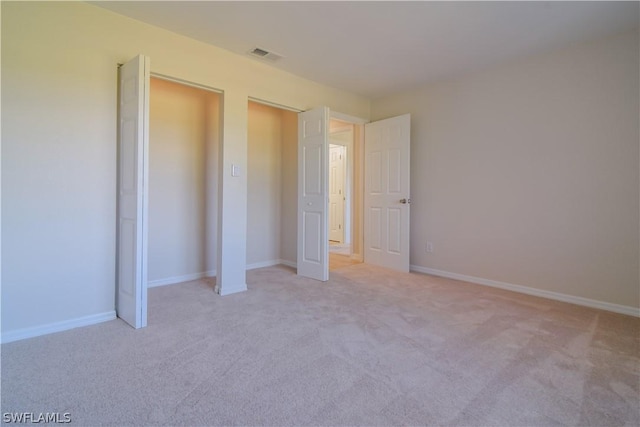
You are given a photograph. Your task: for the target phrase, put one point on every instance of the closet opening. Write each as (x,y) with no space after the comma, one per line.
(184,138)
(272,206)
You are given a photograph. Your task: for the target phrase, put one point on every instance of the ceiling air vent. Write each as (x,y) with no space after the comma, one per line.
(264,54)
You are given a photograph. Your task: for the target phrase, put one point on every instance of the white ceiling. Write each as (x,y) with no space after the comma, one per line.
(377,48)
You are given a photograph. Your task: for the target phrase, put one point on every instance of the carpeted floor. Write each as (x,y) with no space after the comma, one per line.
(338,261)
(369,347)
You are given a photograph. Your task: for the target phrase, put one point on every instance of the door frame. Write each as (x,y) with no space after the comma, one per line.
(355,167)
(349,188)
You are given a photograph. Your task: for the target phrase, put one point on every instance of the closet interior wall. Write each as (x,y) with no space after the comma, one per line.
(272,185)
(183,158)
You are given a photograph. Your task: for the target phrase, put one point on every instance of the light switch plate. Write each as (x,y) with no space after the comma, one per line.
(235,170)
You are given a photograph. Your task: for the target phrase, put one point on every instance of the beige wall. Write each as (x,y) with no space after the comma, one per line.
(59,103)
(264,183)
(272,185)
(529,173)
(183,132)
(289,195)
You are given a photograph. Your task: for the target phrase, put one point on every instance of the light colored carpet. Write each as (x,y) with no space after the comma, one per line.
(369,347)
(338,261)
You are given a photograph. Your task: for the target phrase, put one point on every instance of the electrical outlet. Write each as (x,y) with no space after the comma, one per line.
(429,247)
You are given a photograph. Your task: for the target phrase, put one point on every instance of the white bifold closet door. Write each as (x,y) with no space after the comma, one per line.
(313,194)
(133,160)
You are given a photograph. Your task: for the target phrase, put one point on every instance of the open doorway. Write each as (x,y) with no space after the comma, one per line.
(343,217)
(313,257)
(384,209)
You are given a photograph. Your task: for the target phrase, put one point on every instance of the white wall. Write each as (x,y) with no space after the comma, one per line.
(183,145)
(59,100)
(528,173)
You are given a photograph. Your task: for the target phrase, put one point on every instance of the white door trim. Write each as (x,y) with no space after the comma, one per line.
(185,82)
(347,118)
(274,105)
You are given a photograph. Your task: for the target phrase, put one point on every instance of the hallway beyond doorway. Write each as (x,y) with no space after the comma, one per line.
(340,256)
(339,248)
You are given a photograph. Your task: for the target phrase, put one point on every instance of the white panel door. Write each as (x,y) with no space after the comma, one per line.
(313,200)
(336,192)
(133,152)
(386,193)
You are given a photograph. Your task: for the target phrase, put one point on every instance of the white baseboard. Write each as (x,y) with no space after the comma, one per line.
(212,273)
(65,325)
(93,319)
(271,263)
(616,308)
(180,279)
(263,264)
(291,264)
